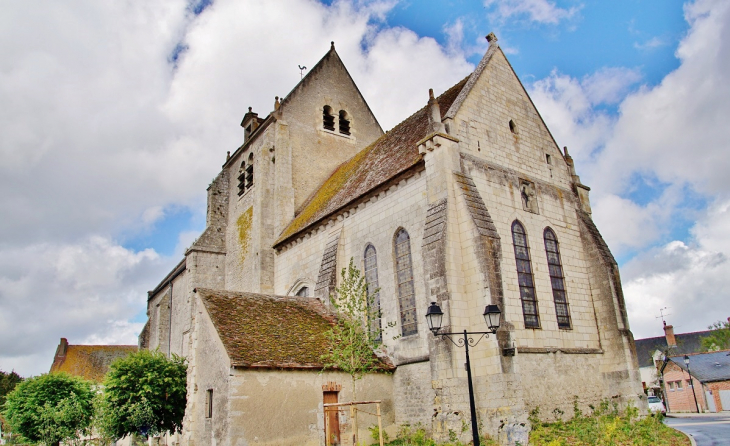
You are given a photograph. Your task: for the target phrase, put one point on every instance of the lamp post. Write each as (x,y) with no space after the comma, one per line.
(434,317)
(691,383)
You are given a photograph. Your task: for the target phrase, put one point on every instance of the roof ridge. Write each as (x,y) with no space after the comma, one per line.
(328,191)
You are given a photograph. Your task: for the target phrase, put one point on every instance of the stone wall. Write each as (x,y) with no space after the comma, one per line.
(375,222)
(284,407)
(208,369)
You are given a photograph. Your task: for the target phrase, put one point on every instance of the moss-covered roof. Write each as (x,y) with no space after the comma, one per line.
(259,330)
(384,159)
(89,361)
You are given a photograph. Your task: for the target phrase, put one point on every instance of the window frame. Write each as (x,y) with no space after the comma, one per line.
(557,280)
(525,278)
(405,271)
(372,282)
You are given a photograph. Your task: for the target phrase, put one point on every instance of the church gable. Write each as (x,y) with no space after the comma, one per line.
(388,157)
(495,119)
(327,121)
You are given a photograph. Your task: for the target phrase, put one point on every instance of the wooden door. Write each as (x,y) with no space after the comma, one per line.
(332,421)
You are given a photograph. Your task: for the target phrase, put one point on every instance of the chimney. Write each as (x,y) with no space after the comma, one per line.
(669,334)
(60,354)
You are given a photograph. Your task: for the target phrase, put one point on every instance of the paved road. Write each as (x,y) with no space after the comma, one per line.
(706,429)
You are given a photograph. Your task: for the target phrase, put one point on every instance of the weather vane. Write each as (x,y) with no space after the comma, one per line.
(301,71)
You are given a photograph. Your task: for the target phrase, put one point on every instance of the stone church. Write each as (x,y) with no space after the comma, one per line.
(468,202)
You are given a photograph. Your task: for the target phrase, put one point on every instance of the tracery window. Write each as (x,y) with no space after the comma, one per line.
(344,123)
(328,120)
(371,280)
(557,280)
(524,276)
(404,274)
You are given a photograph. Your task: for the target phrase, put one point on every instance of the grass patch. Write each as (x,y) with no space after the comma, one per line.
(605,426)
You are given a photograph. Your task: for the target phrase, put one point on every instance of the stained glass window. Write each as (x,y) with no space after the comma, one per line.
(557,280)
(524,276)
(371,279)
(406,292)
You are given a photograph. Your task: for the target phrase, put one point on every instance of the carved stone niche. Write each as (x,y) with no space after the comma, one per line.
(529,196)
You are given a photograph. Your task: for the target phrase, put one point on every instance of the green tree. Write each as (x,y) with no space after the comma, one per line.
(8,381)
(145,393)
(352,343)
(718,339)
(51,408)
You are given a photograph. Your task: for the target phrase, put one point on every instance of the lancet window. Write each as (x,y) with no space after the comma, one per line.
(524,276)
(371,280)
(557,279)
(404,275)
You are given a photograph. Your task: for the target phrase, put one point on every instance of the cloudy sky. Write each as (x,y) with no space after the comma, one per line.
(116,114)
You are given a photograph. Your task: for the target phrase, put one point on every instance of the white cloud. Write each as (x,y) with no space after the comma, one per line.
(540,11)
(103,135)
(676,134)
(569,107)
(87,292)
(690,278)
(654,42)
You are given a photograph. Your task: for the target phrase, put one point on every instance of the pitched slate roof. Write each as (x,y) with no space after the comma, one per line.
(686,343)
(88,361)
(387,157)
(707,367)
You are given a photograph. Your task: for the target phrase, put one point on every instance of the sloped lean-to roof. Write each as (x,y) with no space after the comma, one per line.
(88,361)
(707,367)
(264,331)
(387,157)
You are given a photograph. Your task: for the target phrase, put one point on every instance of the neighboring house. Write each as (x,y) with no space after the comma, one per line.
(467,202)
(88,361)
(710,382)
(649,351)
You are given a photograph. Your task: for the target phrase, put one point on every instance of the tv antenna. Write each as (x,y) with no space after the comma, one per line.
(301,71)
(662,315)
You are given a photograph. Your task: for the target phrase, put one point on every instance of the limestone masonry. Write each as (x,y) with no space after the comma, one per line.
(466,203)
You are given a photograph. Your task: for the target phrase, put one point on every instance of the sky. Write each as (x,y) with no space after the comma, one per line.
(116,115)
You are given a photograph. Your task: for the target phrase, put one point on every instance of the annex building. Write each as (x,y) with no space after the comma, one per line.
(468,202)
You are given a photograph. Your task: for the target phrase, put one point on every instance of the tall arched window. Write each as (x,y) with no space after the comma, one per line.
(371,279)
(242,178)
(328,120)
(524,276)
(344,123)
(404,274)
(249,171)
(557,280)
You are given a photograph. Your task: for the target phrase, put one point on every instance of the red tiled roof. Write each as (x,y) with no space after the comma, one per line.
(390,155)
(90,361)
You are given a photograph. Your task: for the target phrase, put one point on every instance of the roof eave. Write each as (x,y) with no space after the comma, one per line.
(354,202)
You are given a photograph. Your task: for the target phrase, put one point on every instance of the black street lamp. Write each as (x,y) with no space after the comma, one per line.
(691,383)
(434,317)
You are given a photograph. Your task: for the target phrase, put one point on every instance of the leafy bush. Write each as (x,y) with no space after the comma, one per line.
(145,393)
(51,408)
